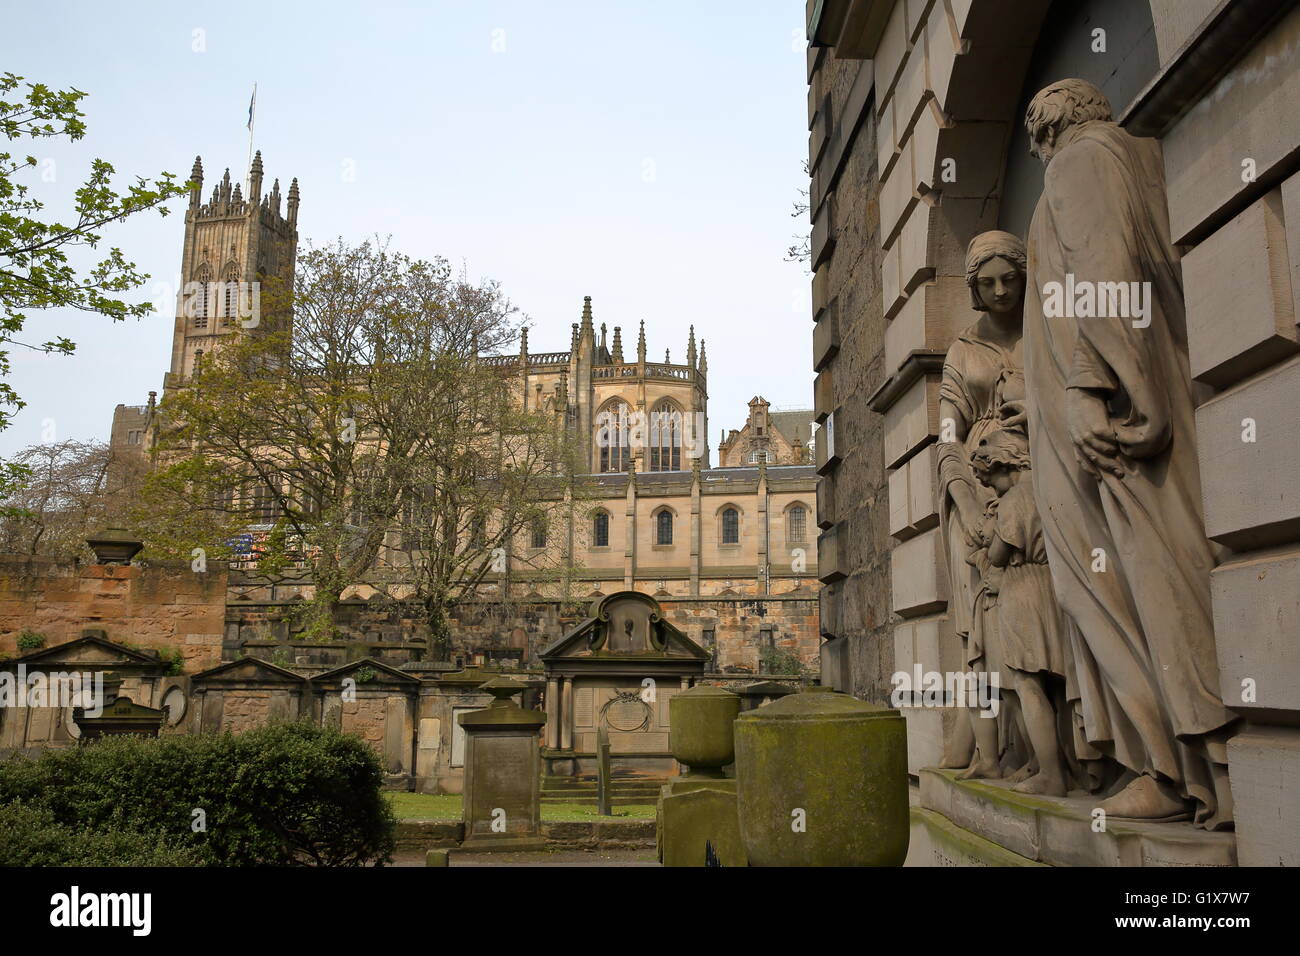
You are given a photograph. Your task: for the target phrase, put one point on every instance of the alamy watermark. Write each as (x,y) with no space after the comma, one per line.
(977,690)
(1085,299)
(53,689)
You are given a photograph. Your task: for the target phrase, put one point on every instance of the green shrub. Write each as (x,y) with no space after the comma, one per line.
(773,660)
(30,641)
(30,836)
(285,794)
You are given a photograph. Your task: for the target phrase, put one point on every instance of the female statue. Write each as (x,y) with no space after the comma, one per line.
(968,411)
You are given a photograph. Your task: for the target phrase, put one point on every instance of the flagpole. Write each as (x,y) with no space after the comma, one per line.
(248,167)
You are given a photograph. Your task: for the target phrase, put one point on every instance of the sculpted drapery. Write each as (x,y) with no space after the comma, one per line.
(1115,471)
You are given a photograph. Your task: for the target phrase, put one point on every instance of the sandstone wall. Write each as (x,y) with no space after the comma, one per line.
(159,606)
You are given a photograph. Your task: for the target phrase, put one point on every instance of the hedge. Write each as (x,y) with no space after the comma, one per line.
(284,794)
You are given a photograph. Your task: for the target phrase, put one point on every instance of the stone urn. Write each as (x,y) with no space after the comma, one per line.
(700,728)
(822,781)
(114,546)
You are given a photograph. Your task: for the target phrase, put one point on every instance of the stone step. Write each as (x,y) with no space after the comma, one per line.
(1063,831)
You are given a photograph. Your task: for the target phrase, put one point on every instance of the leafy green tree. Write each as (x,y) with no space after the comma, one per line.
(35,271)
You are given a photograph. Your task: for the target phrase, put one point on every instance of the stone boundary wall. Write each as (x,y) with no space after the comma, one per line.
(162,605)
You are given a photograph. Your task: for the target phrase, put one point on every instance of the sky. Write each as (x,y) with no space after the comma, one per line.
(646,154)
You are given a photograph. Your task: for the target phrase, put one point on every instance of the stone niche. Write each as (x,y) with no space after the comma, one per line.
(617,670)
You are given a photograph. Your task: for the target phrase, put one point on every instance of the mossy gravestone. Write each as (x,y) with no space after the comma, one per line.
(698,811)
(502,803)
(822,781)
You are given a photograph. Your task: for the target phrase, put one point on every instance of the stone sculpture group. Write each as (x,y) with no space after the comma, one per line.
(1070,490)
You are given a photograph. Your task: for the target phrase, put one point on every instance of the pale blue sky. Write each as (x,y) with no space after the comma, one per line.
(645,154)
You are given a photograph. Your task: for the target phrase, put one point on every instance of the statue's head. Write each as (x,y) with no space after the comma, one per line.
(995,271)
(1056,108)
(1000,457)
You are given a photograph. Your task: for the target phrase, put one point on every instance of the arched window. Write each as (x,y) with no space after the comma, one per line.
(230,295)
(796,523)
(664,527)
(200,304)
(478,532)
(612,433)
(600,530)
(731,526)
(756,456)
(665,438)
(538,537)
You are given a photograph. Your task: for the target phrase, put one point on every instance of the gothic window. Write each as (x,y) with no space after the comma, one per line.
(200,303)
(478,532)
(613,426)
(796,523)
(756,456)
(415,531)
(664,527)
(600,530)
(230,295)
(538,535)
(731,526)
(665,438)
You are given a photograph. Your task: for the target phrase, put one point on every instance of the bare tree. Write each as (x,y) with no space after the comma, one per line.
(367,436)
(801,249)
(71,489)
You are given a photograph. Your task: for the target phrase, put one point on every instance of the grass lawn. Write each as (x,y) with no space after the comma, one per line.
(427,806)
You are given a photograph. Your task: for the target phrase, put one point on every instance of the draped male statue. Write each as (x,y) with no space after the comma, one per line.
(1110,411)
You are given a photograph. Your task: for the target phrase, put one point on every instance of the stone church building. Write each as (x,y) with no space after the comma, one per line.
(729,549)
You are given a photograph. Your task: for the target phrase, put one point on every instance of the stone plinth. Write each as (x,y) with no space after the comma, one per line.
(698,812)
(986,823)
(695,814)
(502,803)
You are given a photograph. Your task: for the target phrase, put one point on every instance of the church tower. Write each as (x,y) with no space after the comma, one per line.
(233,244)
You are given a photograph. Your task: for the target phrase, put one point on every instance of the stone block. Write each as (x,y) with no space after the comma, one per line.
(918,579)
(930,319)
(1257,630)
(826,336)
(1291,222)
(1248,116)
(899,521)
(890,52)
(1248,488)
(1059,830)
(886,141)
(1264,765)
(921,494)
(830,563)
(911,93)
(1240,311)
(695,819)
(912,420)
(937,841)
(897,195)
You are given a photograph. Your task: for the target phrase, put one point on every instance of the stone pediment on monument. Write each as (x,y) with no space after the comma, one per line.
(248,670)
(381,673)
(89,650)
(625,624)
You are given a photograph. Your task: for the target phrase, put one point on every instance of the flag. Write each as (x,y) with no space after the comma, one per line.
(252,104)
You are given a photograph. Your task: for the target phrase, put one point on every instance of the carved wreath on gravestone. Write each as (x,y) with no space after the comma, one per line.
(626,712)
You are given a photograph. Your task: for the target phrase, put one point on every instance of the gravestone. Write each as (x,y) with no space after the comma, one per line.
(502,802)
